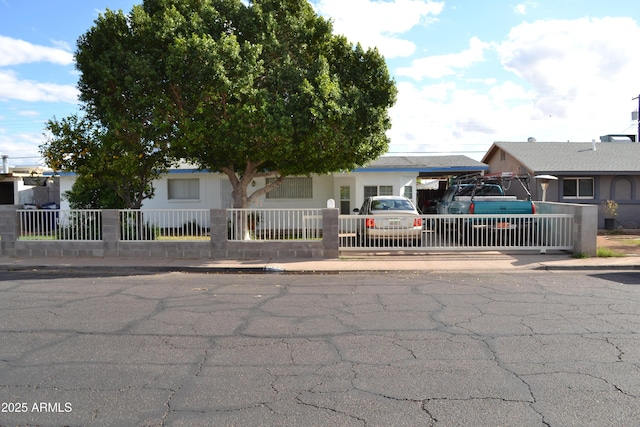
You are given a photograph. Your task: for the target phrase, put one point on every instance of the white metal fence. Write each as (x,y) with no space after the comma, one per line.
(274,224)
(50,224)
(356,232)
(164,224)
(458,232)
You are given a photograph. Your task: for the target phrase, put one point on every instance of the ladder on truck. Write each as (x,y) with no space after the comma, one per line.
(504,179)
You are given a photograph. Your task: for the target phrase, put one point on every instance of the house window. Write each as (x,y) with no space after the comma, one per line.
(408,191)
(578,188)
(370,191)
(374,190)
(386,190)
(184,189)
(292,188)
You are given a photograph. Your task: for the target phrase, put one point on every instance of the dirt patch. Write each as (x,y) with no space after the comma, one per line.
(625,242)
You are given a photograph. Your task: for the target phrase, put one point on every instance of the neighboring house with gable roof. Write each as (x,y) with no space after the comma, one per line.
(587,172)
(187,187)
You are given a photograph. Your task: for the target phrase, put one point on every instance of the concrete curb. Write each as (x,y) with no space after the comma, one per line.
(124,270)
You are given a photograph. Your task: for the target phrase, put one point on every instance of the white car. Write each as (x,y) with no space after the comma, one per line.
(389,218)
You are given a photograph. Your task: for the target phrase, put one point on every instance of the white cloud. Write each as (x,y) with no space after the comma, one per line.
(29,113)
(581,68)
(445,118)
(22,148)
(523,8)
(439,66)
(61,44)
(15,52)
(571,80)
(13,88)
(379,23)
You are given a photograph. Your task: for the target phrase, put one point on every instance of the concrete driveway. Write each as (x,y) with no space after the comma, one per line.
(414,349)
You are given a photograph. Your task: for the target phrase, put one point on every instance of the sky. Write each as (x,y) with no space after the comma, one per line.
(468,74)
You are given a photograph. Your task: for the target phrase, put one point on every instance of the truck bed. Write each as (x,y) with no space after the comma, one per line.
(506,207)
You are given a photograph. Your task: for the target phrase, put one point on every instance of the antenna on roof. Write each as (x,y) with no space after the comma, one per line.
(638,116)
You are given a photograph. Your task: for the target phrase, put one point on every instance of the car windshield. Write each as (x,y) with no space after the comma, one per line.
(391,205)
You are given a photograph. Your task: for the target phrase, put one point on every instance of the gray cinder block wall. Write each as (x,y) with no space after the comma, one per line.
(219,247)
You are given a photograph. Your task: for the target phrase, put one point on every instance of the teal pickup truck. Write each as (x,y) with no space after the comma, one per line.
(484,198)
(502,216)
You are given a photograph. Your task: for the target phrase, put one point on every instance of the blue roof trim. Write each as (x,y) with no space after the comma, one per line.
(425,169)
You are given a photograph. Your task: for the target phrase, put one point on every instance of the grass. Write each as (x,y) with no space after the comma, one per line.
(631,242)
(37,238)
(608,253)
(182,238)
(159,238)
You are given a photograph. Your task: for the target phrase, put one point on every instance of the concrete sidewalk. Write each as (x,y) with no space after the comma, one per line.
(351,262)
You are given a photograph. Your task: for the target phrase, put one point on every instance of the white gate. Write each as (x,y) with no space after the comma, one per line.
(458,232)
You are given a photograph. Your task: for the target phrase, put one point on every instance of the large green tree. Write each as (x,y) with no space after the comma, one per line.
(268,90)
(251,89)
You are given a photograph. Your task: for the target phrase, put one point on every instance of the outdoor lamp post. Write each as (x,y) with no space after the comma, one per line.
(545,180)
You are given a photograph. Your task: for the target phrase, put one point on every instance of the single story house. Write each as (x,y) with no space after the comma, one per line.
(420,178)
(586,172)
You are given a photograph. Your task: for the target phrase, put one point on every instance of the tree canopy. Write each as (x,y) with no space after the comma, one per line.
(263,89)
(104,161)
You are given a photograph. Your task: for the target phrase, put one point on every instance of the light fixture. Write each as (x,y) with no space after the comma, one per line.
(545,180)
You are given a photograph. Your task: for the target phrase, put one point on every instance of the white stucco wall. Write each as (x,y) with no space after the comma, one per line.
(215,190)
(397,180)
(66,182)
(210,192)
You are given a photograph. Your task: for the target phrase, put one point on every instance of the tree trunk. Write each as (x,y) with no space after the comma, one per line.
(241,199)
(239,221)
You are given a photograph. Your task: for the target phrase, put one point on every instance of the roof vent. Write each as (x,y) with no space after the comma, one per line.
(531,139)
(617,138)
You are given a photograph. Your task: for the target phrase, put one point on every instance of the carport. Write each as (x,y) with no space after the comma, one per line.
(432,173)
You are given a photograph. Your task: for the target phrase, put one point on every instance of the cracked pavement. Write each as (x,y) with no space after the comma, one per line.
(429,349)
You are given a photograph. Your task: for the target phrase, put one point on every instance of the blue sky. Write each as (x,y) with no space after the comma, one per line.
(468,74)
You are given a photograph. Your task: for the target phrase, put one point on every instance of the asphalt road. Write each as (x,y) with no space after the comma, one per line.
(398,349)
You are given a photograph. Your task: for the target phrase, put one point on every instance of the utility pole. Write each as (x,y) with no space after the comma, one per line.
(638,116)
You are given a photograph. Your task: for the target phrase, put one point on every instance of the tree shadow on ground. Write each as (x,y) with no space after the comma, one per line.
(623,277)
